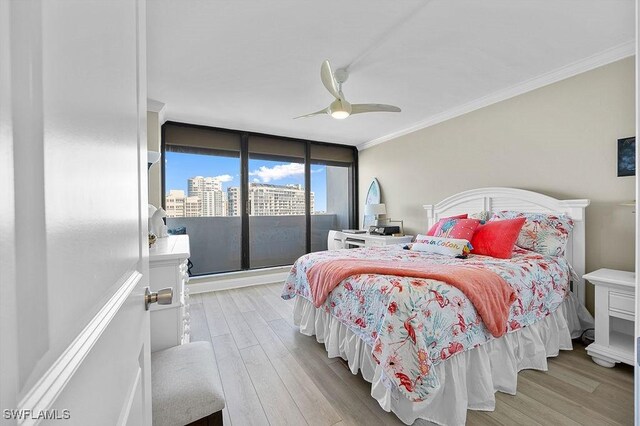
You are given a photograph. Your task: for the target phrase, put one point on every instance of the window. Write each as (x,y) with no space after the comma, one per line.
(251,201)
(202,195)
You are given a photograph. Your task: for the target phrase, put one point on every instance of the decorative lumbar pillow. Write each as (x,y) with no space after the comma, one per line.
(446,246)
(496,238)
(455,228)
(543,233)
(432,231)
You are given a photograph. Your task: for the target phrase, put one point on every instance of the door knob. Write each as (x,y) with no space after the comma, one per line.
(162,297)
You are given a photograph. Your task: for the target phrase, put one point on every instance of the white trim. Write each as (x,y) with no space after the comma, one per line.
(238,280)
(605,57)
(126,410)
(44,393)
(489,199)
(159,107)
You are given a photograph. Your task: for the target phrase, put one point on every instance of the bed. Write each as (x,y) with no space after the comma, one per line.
(420,342)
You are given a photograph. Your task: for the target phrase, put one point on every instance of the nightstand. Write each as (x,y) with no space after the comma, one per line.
(614,316)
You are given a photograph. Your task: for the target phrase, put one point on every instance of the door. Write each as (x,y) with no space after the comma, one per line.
(74,261)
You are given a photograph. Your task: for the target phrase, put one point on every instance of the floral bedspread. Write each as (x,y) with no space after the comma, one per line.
(412,324)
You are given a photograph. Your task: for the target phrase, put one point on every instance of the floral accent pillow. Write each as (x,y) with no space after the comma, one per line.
(482,216)
(455,228)
(543,233)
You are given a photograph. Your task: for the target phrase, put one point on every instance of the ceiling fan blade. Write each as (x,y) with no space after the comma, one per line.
(329,80)
(360,108)
(322,111)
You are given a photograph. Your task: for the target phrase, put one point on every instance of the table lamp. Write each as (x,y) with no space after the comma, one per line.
(376,210)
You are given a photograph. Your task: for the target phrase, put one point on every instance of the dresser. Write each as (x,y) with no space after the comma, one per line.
(338,240)
(614,316)
(170,324)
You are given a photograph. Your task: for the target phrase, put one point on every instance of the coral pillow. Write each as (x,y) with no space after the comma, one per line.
(456,228)
(496,238)
(432,231)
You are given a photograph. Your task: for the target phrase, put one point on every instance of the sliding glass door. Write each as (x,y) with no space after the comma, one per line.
(252,201)
(332,183)
(276,201)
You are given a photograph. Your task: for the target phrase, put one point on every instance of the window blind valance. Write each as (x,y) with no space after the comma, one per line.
(180,137)
(189,137)
(332,153)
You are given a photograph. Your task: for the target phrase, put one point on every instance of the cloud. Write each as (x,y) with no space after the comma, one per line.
(224,178)
(281,171)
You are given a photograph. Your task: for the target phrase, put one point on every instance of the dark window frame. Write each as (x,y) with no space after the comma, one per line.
(244,179)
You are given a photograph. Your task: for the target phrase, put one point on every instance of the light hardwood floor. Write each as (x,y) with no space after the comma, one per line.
(272,374)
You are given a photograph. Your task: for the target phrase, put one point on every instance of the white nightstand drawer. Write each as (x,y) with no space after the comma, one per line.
(622,302)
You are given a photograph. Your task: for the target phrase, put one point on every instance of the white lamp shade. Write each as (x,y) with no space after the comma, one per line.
(375,209)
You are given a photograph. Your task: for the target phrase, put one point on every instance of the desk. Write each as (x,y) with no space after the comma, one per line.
(339,239)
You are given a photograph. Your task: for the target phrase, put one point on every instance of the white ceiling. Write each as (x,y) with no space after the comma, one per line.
(253,65)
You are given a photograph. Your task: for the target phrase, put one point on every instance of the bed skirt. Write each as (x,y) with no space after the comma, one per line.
(468,380)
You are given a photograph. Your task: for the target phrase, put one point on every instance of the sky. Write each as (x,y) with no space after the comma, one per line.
(179,167)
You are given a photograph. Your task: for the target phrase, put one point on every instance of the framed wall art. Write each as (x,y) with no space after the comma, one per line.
(627,157)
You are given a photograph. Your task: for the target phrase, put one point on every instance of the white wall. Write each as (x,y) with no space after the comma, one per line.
(153,144)
(559,140)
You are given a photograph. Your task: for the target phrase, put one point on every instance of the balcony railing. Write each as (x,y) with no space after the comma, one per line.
(274,240)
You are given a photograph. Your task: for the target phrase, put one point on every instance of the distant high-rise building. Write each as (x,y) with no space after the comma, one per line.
(192,207)
(209,191)
(206,198)
(233,201)
(174,203)
(199,184)
(276,200)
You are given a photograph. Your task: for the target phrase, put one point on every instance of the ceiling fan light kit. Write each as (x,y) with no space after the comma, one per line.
(340,108)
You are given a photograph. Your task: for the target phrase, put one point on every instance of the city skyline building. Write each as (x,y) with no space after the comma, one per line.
(206,198)
(209,191)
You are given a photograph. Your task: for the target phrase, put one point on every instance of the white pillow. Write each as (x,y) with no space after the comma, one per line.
(445,246)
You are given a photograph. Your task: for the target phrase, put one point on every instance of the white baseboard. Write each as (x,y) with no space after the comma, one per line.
(238,279)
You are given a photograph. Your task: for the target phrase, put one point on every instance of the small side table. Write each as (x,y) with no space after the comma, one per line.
(614,316)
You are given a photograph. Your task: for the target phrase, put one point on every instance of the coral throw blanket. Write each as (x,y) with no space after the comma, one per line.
(489,293)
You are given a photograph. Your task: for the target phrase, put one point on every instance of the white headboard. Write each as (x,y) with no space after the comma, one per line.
(497,199)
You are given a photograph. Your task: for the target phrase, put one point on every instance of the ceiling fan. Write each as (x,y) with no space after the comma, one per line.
(340,108)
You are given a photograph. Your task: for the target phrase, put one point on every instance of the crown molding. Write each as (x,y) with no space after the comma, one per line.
(605,57)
